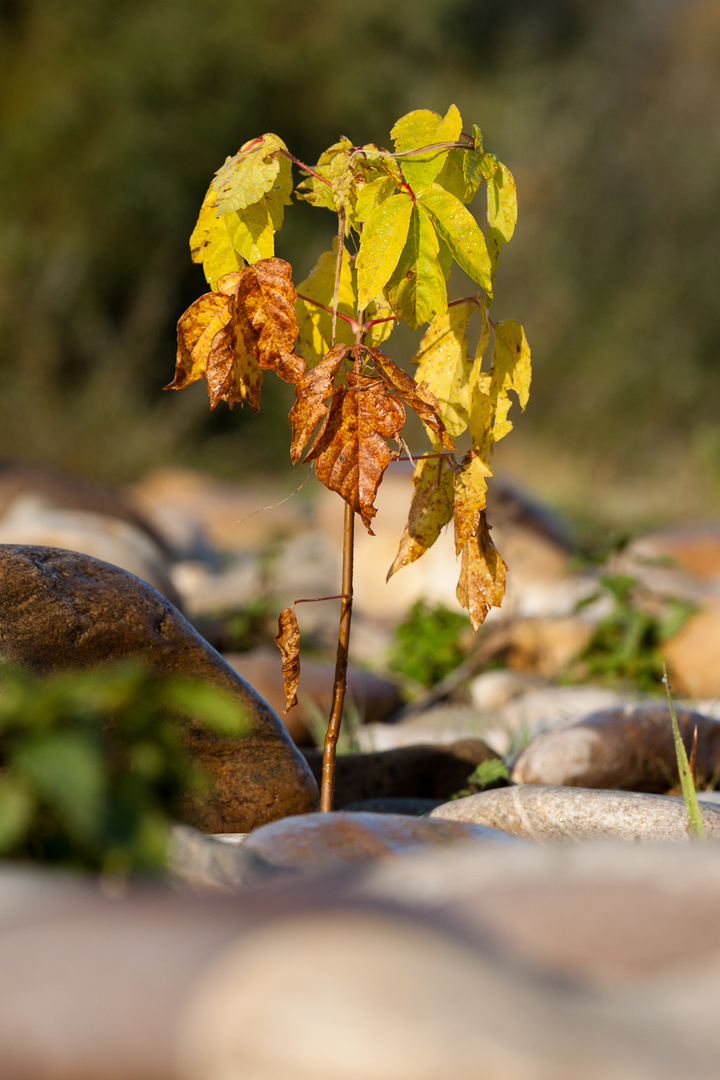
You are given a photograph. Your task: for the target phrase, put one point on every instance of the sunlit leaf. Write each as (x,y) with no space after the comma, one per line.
(461,233)
(211,241)
(373,193)
(288,641)
(424,128)
(341,175)
(381,244)
(196,331)
(265,313)
(380,331)
(256,169)
(311,392)
(430,510)
(482,576)
(501,204)
(470,495)
(416,289)
(351,455)
(444,364)
(253,232)
(315,323)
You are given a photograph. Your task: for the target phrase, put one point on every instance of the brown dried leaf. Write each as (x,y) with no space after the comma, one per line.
(417,395)
(233,374)
(265,312)
(482,575)
(311,391)
(431,508)
(350,453)
(196,331)
(288,641)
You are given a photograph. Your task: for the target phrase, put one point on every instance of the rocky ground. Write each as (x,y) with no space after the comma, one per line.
(435,925)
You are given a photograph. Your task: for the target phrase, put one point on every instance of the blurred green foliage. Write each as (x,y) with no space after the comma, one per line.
(93,770)
(626,644)
(112,118)
(427,644)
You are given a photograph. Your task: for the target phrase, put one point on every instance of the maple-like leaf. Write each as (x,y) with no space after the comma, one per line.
(211,241)
(341,174)
(416,288)
(256,169)
(381,243)
(265,314)
(444,365)
(424,128)
(482,575)
(288,641)
(350,453)
(461,233)
(312,390)
(430,510)
(417,395)
(197,329)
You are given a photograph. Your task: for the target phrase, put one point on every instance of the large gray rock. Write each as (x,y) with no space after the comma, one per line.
(542,813)
(631,748)
(61,610)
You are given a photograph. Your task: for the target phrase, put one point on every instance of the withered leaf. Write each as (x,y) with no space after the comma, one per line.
(470,493)
(350,453)
(233,374)
(196,331)
(311,391)
(482,575)
(265,312)
(431,508)
(288,641)
(417,395)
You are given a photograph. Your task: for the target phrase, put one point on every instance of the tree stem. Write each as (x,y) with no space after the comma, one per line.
(327,787)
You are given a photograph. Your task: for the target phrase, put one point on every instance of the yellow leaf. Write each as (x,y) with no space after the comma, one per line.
(469,501)
(255,170)
(512,359)
(253,235)
(443,364)
(424,128)
(211,243)
(430,510)
(381,244)
(482,576)
(461,232)
(416,289)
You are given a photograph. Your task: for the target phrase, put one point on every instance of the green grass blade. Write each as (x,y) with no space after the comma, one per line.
(687,781)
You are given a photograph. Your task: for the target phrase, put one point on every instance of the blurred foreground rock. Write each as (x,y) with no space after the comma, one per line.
(61,610)
(505,961)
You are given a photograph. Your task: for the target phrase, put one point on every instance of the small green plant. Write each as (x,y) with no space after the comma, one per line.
(427,644)
(483,776)
(402,223)
(92,765)
(626,643)
(687,780)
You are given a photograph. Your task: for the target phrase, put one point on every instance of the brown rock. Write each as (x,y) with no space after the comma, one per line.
(374,698)
(545,814)
(425,772)
(62,610)
(327,841)
(629,748)
(547,646)
(693,654)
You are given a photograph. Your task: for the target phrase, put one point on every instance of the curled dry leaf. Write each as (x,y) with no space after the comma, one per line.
(482,575)
(288,641)
(265,312)
(418,396)
(350,452)
(311,392)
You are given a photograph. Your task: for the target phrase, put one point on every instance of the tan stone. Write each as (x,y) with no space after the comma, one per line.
(548,646)
(693,654)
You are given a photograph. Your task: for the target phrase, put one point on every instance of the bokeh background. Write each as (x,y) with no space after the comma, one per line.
(115,116)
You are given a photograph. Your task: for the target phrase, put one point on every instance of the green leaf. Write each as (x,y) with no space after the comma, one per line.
(209,705)
(211,243)
(381,244)
(416,290)
(461,232)
(315,333)
(255,170)
(372,194)
(16,811)
(67,772)
(423,128)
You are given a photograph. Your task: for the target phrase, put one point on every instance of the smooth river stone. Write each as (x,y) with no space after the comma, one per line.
(326,841)
(545,814)
(60,610)
(629,748)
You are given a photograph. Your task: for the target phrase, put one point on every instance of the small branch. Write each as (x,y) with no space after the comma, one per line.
(304,167)
(317,599)
(385,318)
(346,318)
(474,299)
(327,787)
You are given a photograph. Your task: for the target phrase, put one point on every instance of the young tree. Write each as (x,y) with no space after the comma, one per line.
(402,222)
